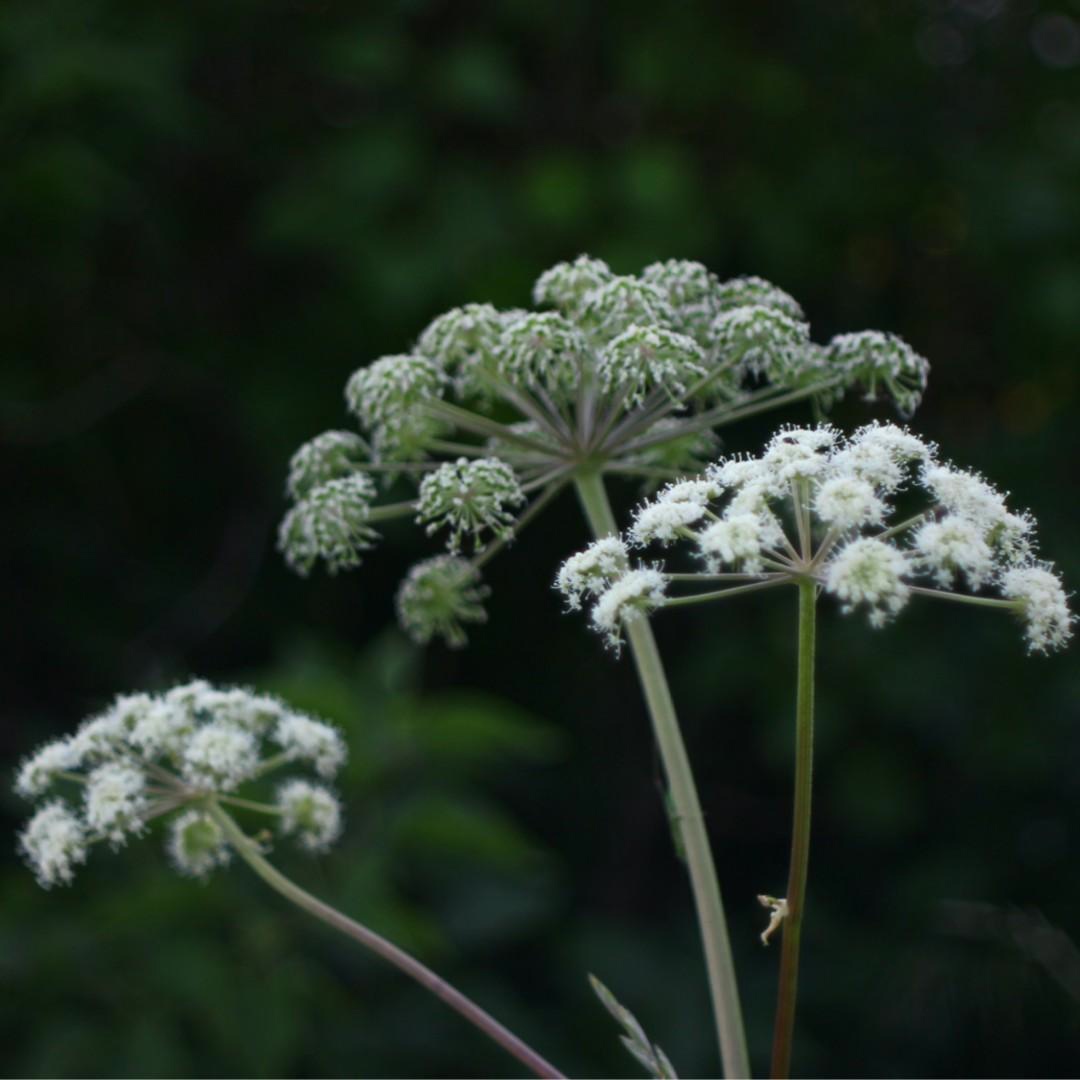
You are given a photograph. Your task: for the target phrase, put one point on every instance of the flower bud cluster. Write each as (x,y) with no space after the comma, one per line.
(816,505)
(147,755)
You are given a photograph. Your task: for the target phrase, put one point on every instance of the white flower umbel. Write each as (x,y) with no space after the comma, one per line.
(148,755)
(815,506)
(813,512)
(310,813)
(217,735)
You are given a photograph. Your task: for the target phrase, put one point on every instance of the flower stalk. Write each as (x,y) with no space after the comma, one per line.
(249,851)
(689,818)
(784,1028)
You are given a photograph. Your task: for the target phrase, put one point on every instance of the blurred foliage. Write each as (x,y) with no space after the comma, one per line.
(211,213)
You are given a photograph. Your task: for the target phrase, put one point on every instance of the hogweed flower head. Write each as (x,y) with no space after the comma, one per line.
(492,413)
(816,506)
(178,753)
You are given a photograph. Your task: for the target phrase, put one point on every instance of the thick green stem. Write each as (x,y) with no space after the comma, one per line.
(684,797)
(249,852)
(800,835)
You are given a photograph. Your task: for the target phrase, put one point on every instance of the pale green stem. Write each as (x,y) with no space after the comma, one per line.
(722,594)
(274,762)
(918,519)
(481,425)
(249,804)
(726,414)
(250,853)
(389,511)
(960,598)
(784,1028)
(722,577)
(689,818)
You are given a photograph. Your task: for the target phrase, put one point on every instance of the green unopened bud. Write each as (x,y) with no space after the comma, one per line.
(438,597)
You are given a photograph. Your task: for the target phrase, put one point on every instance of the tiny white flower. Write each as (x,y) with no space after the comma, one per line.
(305,739)
(162,729)
(630,597)
(698,490)
(869,572)
(197,844)
(847,502)
(311,813)
(798,454)
(115,801)
(735,540)
(1043,606)
(954,546)
(54,843)
(664,521)
(880,454)
(39,770)
(590,572)
(220,756)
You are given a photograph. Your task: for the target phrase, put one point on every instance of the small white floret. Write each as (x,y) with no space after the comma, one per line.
(632,596)
(871,573)
(115,801)
(664,521)
(951,547)
(54,843)
(1042,604)
(735,540)
(311,740)
(311,813)
(590,572)
(220,757)
(39,770)
(846,502)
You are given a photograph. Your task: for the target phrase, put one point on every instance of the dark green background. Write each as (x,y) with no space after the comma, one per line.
(211,213)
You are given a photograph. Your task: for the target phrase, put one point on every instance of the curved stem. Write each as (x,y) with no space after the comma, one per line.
(684,797)
(249,852)
(800,840)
